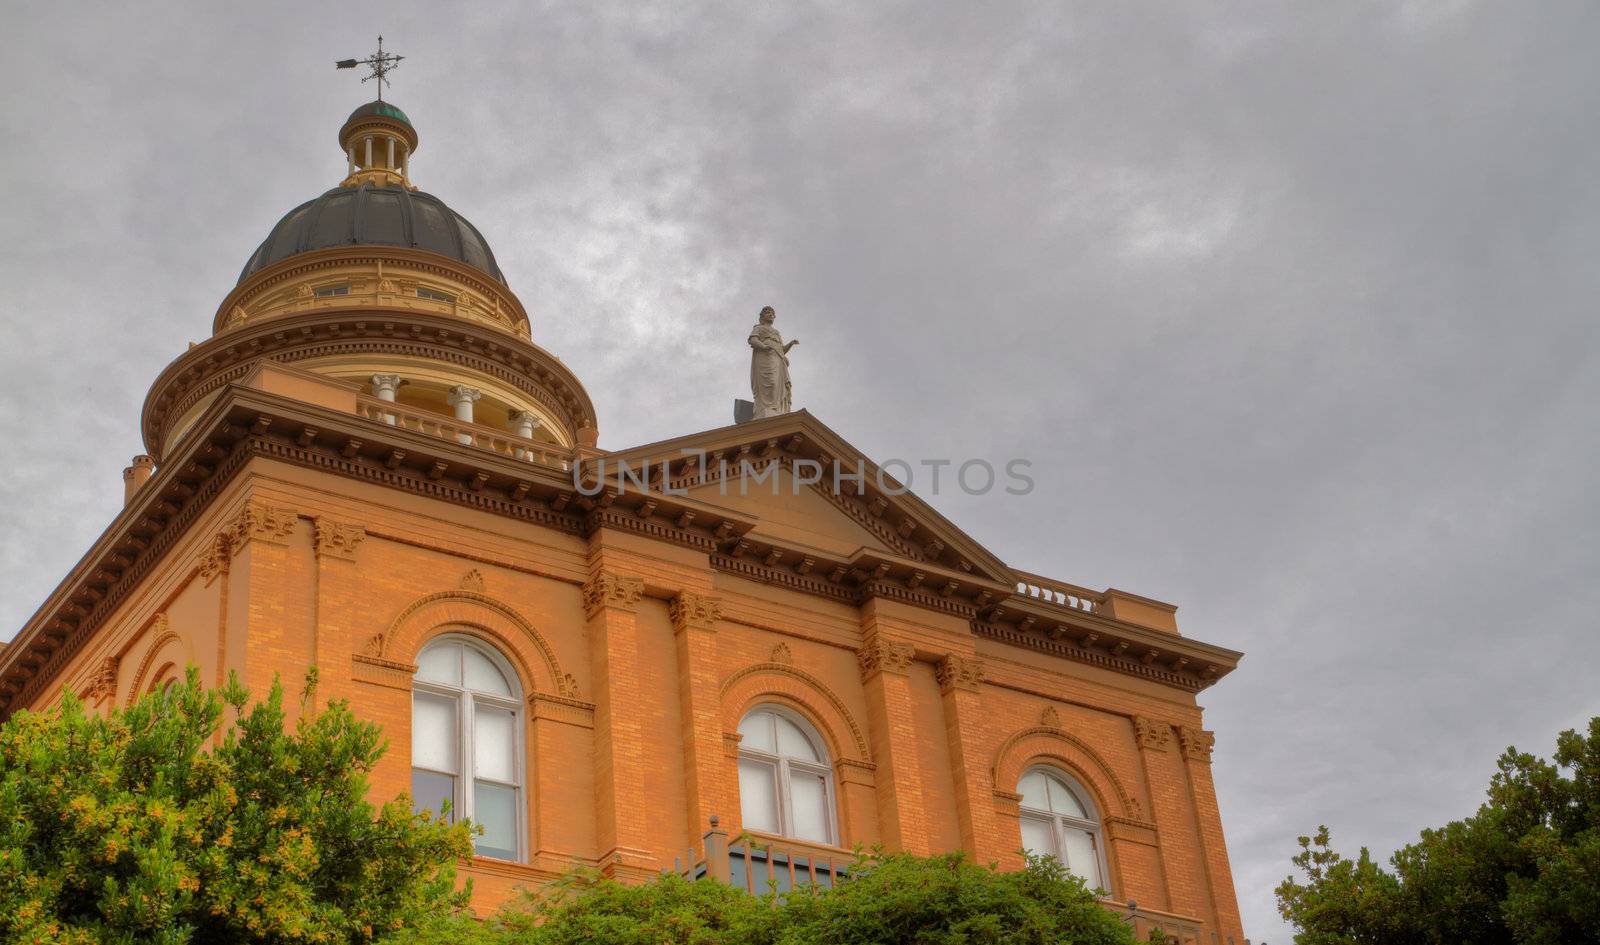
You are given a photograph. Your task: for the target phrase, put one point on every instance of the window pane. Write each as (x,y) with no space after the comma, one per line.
(1035,793)
(809,795)
(1064,801)
(758,796)
(433,732)
(495,809)
(757,731)
(793,742)
(440,664)
(1082,859)
(483,675)
(494,746)
(1038,837)
(429,791)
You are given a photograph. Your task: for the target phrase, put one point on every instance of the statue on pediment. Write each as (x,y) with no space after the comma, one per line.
(769,367)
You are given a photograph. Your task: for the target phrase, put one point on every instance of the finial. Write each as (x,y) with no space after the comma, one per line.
(380,63)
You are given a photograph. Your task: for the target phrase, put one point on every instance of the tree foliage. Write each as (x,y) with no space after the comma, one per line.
(153,825)
(1524,869)
(891,900)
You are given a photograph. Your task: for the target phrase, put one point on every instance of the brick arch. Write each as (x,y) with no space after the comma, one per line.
(801,691)
(1053,747)
(166,643)
(495,621)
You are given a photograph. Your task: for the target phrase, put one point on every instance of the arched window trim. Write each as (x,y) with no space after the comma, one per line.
(1060,822)
(466,703)
(785,765)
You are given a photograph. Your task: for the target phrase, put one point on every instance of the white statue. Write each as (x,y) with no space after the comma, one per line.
(769,367)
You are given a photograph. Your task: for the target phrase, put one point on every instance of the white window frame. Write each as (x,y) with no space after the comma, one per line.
(467,700)
(784,764)
(1059,822)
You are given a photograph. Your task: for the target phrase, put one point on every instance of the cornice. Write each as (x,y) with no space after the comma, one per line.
(247,423)
(226,358)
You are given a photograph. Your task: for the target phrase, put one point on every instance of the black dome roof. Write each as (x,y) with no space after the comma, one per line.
(374,216)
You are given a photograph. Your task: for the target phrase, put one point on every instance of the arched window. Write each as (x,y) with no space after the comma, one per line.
(785,782)
(1059,821)
(466,741)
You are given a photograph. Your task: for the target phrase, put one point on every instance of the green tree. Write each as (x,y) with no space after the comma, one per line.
(1525,868)
(889,900)
(946,899)
(154,825)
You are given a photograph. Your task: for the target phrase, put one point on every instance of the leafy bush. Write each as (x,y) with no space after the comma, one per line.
(153,825)
(1524,869)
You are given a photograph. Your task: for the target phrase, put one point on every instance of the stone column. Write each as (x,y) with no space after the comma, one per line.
(523,423)
(622,784)
(960,679)
(694,625)
(462,398)
(391,154)
(386,386)
(885,674)
(369,152)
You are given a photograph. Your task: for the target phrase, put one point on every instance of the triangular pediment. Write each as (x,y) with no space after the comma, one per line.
(786,508)
(844,520)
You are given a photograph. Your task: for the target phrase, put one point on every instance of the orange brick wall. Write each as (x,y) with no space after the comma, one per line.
(638,659)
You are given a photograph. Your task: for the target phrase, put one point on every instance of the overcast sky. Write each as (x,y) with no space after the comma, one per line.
(1291,306)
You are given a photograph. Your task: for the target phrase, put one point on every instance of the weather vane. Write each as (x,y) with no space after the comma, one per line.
(380,64)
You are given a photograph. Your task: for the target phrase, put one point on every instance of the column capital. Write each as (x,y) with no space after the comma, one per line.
(386,383)
(1153,735)
(524,417)
(878,655)
(259,521)
(607,589)
(1196,743)
(958,672)
(461,393)
(334,539)
(691,611)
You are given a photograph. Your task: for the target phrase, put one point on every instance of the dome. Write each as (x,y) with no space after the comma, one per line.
(374,216)
(378,110)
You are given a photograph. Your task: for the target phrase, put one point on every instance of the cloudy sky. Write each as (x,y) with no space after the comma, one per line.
(1291,306)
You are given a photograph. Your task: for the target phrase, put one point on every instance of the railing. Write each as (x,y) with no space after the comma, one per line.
(469,434)
(759,866)
(1058,593)
(1179,929)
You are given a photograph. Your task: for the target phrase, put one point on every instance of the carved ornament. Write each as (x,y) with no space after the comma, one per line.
(333,539)
(878,655)
(1152,735)
(958,672)
(607,589)
(691,611)
(1197,743)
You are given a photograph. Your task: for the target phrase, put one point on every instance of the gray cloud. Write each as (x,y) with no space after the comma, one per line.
(1289,306)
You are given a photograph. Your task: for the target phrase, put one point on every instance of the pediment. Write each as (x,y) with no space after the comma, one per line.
(853,518)
(788,509)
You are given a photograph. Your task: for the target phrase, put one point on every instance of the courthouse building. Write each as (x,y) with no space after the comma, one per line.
(372,467)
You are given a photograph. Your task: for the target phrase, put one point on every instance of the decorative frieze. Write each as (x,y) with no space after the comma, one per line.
(1197,743)
(691,611)
(878,655)
(333,539)
(609,589)
(958,672)
(1153,735)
